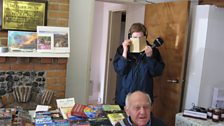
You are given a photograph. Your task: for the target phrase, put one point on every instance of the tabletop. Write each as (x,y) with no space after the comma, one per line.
(188,121)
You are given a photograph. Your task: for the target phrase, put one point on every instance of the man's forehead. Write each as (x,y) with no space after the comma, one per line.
(139,102)
(139,98)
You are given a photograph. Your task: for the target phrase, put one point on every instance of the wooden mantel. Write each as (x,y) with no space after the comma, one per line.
(35,54)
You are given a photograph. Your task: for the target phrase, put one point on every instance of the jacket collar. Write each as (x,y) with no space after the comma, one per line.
(130,122)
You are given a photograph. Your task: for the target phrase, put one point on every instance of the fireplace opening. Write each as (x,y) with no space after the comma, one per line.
(24,89)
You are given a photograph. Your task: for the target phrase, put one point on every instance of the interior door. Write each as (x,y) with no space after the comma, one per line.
(113,43)
(170,21)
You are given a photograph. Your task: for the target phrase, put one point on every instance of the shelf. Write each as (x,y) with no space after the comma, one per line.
(34,54)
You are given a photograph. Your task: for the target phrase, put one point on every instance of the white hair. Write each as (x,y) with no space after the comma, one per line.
(129,94)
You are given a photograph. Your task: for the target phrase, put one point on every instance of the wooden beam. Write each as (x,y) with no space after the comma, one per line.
(219,3)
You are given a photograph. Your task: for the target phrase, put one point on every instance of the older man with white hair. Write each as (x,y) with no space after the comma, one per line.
(138,110)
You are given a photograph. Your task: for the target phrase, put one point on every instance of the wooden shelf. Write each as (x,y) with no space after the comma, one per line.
(34,54)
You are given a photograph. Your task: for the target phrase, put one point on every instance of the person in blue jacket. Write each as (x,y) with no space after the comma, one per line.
(135,71)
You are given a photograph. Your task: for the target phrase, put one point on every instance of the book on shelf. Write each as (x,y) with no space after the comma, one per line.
(195,114)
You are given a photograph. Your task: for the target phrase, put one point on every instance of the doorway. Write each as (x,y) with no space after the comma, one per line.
(130,13)
(116,31)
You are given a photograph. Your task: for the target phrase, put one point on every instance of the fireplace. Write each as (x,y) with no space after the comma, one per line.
(40,79)
(54,68)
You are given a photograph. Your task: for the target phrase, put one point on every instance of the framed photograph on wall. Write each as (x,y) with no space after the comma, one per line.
(61,37)
(45,42)
(22,41)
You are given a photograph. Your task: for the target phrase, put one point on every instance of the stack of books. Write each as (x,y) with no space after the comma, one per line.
(195,114)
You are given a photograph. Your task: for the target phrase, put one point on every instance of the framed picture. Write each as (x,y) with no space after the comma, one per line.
(61,37)
(45,42)
(22,15)
(22,41)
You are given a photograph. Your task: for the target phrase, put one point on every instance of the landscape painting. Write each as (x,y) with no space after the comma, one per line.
(22,41)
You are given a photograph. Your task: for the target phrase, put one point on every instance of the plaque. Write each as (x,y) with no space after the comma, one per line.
(22,15)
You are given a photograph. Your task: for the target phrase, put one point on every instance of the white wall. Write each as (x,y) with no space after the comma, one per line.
(100,34)
(96,52)
(204,69)
(214,56)
(134,13)
(80,23)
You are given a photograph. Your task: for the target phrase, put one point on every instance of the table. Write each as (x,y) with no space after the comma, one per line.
(187,121)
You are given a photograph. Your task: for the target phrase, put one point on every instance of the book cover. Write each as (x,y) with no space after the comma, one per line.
(78,110)
(195,114)
(115,117)
(111,108)
(65,102)
(138,44)
(61,122)
(44,121)
(65,112)
(65,106)
(100,122)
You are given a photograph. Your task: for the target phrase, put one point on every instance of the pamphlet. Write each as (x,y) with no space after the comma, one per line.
(138,44)
(42,108)
(111,108)
(65,106)
(66,102)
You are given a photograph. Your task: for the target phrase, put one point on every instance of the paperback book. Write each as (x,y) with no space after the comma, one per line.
(65,106)
(115,117)
(111,108)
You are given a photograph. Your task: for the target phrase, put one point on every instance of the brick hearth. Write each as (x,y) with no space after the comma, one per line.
(54,69)
(52,74)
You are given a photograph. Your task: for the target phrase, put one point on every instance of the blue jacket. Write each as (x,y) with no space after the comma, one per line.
(136,73)
(153,122)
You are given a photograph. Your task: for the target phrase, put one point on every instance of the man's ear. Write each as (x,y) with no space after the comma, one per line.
(126,110)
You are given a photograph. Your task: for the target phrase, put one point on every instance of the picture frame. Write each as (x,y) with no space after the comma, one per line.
(22,15)
(61,37)
(22,41)
(45,42)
